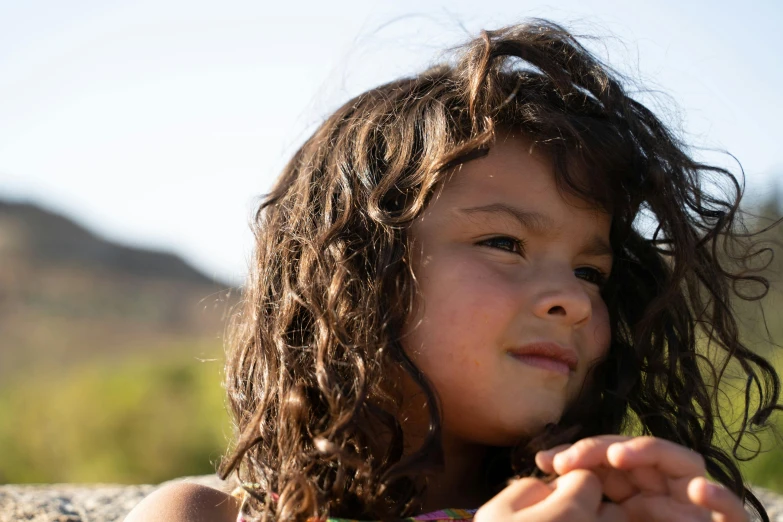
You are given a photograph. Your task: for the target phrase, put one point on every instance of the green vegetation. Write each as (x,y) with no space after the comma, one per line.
(146,421)
(136,421)
(765,469)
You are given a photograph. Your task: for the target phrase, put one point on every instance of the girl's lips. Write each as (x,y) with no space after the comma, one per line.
(547,355)
(546,363)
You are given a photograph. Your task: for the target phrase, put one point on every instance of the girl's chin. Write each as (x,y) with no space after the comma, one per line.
(508,436)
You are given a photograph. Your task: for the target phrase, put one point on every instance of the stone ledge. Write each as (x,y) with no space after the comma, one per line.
(80,502)
(112,502)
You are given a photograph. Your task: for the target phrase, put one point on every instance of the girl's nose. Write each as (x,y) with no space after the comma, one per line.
(564,299)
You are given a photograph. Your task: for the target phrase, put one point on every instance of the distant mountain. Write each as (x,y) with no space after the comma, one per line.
(67,295)
(49,239)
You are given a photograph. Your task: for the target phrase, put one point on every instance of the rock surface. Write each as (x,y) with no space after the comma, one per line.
(79,502)
(110,503)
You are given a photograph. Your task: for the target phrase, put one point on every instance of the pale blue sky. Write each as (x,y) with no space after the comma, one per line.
(159,122)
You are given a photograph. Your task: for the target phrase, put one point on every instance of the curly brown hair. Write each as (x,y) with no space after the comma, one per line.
(310,370)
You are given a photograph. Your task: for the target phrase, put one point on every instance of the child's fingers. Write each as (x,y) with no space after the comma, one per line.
(672,459)
(724,504)
(525,492)
(518,495)
(573,497)
(620,485)
(544,458)
(575,493)
(585,453)
(521,493)
(620,452)
(611,512)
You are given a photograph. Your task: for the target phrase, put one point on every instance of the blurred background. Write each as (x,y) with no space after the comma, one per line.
(137,137)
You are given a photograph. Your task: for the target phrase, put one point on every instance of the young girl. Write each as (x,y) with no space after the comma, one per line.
(451,276)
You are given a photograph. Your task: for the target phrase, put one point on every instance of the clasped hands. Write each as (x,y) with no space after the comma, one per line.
(646,479)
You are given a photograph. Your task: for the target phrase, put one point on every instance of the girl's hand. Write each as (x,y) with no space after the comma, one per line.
(573,497)
(652,479)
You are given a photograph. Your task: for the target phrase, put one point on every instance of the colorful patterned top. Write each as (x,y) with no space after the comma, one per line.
(436,516)
(444,515)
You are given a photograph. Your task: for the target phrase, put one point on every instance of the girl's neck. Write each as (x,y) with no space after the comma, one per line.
(461,484)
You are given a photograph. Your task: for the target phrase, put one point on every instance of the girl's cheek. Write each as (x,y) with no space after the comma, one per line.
(602,328)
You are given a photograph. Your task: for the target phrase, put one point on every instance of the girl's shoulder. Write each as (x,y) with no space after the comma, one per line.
(186,502)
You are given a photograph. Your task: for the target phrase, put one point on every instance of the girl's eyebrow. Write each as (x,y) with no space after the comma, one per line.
(540,224)
(536,222)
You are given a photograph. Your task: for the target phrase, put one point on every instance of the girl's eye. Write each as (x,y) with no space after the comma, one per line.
(510,244)
(517,246)
(591,275)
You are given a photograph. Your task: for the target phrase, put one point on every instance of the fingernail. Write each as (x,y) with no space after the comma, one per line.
(714,489)
(564,458)
(623,448)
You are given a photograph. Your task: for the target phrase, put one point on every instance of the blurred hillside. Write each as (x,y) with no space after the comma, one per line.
(67,296)
(110,357)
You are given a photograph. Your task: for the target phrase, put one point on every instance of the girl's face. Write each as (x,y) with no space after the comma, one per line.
(504,261)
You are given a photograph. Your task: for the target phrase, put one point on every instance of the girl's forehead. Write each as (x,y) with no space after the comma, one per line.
(509,170)
(514,170)
(532,199)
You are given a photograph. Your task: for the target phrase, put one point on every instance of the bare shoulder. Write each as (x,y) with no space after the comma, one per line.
(186,502)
